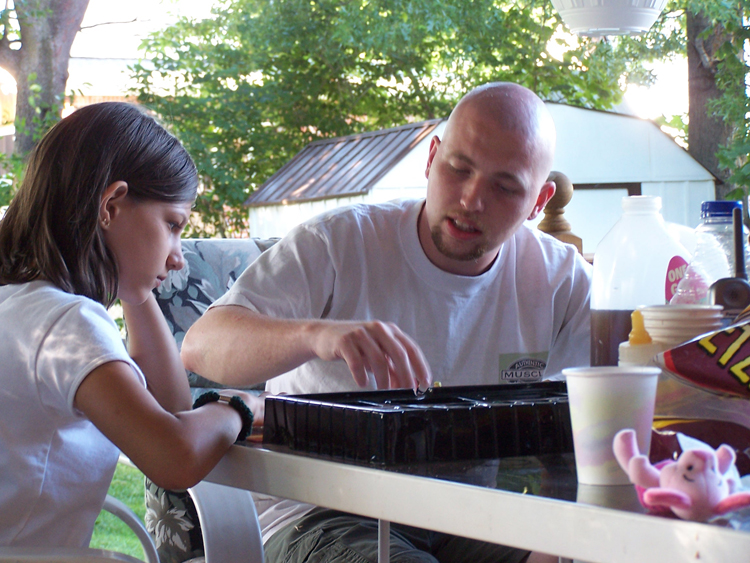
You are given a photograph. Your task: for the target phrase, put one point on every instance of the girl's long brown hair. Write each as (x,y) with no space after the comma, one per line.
(51,228)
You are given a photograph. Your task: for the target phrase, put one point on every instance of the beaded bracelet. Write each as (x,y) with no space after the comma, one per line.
(236,403)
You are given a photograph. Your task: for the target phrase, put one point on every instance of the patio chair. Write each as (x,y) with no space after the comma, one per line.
(229,532)
(86,554)
(62,555)
(208,520)
(123,512)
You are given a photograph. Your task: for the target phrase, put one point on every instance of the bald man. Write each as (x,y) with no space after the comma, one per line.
(453,288)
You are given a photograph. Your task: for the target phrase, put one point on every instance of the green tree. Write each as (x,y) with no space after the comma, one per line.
(717,126)
(248,88)
(719,117)
(35,41)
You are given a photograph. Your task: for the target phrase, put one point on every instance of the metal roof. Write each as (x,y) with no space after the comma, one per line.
(340,167)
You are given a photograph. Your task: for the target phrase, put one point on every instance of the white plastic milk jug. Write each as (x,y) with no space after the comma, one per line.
(637,263)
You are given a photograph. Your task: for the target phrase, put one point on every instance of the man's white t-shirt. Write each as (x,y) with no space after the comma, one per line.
(525,318)
(55,466)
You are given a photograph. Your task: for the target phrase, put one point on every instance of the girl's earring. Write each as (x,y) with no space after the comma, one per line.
(105,222)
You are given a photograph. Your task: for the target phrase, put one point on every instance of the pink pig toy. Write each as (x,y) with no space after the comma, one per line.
(697,486)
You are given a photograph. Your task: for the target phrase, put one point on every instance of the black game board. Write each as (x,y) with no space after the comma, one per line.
(445,424)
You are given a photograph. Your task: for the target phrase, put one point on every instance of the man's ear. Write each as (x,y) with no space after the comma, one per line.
(545,194)
(111,202)
(434,144)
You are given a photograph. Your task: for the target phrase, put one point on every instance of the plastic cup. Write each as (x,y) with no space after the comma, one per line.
(691,324)
(678,336)
(675,324)
(682,311)
(603,400)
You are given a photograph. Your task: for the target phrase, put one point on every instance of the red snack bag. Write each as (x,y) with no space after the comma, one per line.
(717,361)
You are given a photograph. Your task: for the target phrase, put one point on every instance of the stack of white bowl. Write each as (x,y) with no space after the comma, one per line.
(675,324)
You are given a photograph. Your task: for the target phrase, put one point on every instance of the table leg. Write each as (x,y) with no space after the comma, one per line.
(384,541)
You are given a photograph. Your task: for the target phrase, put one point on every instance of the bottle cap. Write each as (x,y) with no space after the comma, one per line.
(641,204)
(722,208)
(638,335)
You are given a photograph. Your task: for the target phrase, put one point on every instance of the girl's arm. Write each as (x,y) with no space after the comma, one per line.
(175,450)
(152,346)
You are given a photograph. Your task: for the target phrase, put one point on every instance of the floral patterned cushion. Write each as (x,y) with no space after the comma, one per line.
(172,520)
(211,267)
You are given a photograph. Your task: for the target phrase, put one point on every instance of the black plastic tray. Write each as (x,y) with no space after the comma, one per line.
(445,424)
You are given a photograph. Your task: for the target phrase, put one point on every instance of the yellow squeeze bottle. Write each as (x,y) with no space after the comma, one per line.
(639,350)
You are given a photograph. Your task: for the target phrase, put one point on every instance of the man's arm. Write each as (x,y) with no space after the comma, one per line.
(236,346)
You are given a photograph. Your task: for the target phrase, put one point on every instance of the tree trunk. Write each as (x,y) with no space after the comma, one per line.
(706,132)
(40,66)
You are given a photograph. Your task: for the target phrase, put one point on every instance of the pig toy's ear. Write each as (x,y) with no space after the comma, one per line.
(625,448)
(726,458)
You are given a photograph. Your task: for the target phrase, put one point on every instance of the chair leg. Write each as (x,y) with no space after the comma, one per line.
(384,541)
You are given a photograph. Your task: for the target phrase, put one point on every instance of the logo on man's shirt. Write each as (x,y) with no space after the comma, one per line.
(522,368)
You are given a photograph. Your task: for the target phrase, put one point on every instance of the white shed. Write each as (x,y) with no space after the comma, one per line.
(606,156)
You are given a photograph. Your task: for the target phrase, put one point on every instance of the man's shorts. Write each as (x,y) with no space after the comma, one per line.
(330,536)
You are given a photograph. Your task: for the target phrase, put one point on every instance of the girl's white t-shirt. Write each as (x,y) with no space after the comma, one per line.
(55,466)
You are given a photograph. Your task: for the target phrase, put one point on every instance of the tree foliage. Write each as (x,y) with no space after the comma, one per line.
(35,41)
(727,62)
(249,87)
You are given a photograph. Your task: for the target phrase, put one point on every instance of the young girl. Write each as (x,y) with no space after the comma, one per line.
(98,216)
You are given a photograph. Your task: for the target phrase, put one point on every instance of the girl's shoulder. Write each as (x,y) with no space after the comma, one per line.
(40,291)
(45,303)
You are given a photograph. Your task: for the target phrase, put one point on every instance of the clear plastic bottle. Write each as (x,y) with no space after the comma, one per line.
(718,219)
(637,263)
(714,253)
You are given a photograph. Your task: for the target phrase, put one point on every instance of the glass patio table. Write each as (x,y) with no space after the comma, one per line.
(529,502)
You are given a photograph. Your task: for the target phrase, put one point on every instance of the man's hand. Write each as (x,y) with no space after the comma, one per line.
(376,347)
(237,347)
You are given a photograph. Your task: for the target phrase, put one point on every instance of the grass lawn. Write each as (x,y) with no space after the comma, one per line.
(109,531)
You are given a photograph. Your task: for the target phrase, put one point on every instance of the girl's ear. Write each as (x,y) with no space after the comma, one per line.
(111,202)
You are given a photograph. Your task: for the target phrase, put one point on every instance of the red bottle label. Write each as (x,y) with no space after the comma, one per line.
(675,272)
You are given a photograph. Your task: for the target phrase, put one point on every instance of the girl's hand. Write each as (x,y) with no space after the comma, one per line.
(256,403)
